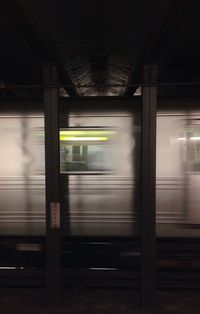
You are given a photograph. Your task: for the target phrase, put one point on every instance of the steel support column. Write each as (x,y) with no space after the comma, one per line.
(52,184)
(149,99)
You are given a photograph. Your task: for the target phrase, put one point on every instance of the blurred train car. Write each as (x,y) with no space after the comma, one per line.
(22,181)
(177,173)
(99,173)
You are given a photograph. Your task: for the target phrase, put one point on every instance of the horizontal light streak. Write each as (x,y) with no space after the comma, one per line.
(181,139)
(8,267)
(103,268)
(86,132)
(83,138)
(193,138)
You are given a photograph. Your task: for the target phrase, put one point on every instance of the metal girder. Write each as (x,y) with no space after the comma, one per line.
(52,185)
(44,48)
(148,177)
(152,42)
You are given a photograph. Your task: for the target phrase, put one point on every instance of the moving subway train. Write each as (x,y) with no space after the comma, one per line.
(100,173)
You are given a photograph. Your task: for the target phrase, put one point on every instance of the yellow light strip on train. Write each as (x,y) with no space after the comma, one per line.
(83,138)
(86,132)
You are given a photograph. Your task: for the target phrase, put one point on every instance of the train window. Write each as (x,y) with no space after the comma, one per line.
(100,172)
(190,140)
(86,150)
(193,148)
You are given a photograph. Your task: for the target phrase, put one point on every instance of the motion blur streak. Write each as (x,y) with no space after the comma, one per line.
(100,180)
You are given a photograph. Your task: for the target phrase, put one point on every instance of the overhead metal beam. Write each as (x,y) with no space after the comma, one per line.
(158,37)
(43,46)
(172,61)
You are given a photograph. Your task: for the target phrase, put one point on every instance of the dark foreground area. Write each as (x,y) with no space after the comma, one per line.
(99,301)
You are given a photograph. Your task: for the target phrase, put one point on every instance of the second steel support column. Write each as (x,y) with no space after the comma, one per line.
(149,99)
(52,185)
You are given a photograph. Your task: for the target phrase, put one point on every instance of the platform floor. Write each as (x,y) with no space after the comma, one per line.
(99,301)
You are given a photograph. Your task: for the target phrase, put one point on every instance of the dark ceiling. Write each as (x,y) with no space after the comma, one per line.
(101,44)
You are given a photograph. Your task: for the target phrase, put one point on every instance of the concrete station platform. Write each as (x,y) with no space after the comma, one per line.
(100,301)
